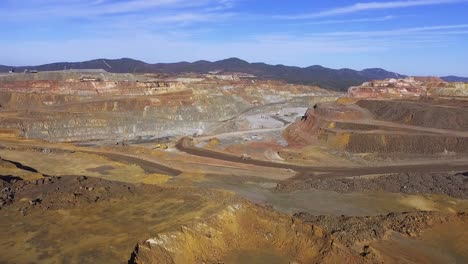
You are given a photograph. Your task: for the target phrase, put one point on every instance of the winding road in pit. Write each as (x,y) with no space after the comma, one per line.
(147,165)
(186,145)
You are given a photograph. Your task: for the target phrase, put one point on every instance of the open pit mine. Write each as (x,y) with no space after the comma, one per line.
(99,167)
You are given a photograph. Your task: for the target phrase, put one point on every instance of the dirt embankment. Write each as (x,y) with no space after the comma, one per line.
(394,142)
(446,183)
(317,118)
(352,231)
(303,238)
(385,126)
(244,229)
(440,113)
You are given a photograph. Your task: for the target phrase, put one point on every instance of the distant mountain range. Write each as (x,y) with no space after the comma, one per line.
(315,75)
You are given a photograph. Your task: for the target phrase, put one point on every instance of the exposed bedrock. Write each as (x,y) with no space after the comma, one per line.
(389,88)
(407,88)
(453,89)
(87,84)
(127,120)
(71,106)
(123,118)
(396,88)
(17,100)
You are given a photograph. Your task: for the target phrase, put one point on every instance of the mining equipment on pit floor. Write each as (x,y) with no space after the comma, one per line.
(161,146)
(245,157)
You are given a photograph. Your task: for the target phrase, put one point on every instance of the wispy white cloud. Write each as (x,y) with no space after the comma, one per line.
(222,5)
(440,29)
(190,17)
(285,46)
(99,17)
(103,8)
(313,48)
(359,7)
(344,21)
(173,30)
(73,8)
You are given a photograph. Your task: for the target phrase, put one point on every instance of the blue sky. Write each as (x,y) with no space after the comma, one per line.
(417,37)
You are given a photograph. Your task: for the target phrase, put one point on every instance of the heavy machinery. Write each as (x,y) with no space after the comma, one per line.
(161,146)
(245,157)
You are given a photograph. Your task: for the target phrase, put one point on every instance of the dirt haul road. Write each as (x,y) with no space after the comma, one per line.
(186,145)
(147,165)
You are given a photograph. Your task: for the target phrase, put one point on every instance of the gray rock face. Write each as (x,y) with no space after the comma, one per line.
(126,107)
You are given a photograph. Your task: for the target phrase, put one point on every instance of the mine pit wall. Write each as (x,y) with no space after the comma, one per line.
(72,75)
(59,106)
(452,90)
(90,88)
(336,111)
(116,128)
(388,93)
(419,113)
(10,133)
(149,121)
(18,100)
(311,124)
(358,142)
(368,138)
(126,119)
